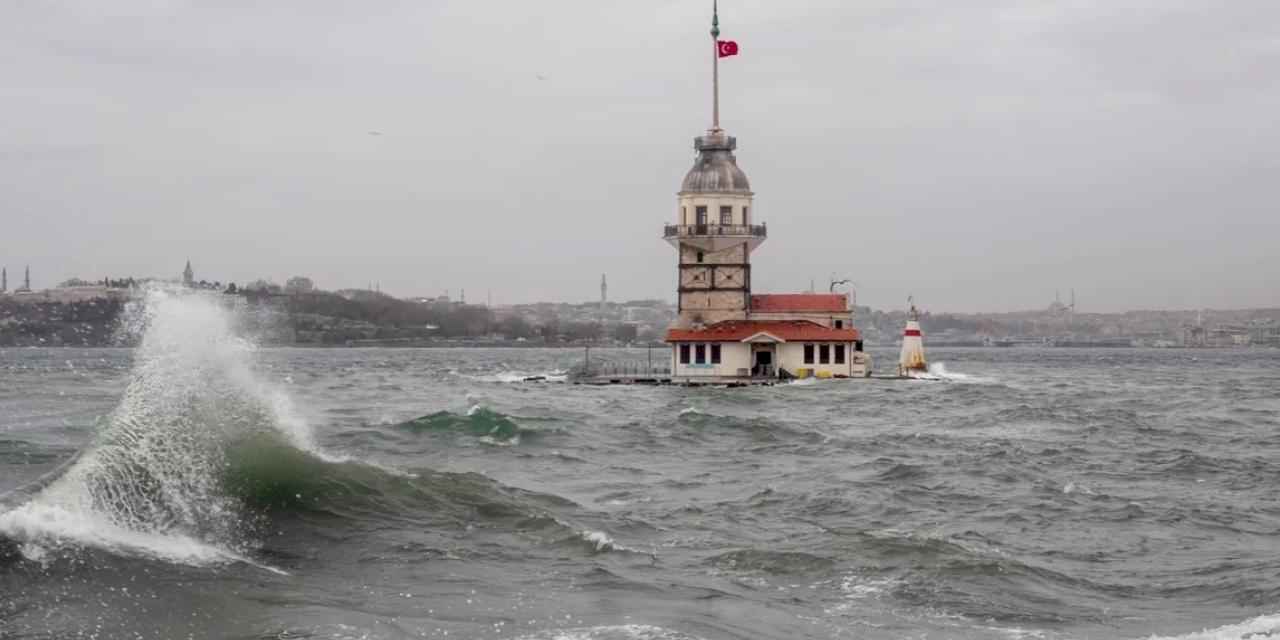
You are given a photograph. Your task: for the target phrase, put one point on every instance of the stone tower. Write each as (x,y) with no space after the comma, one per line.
(714,233)
(188,275)
(4,280)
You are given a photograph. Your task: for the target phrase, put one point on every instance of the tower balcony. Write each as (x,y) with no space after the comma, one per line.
(714,237)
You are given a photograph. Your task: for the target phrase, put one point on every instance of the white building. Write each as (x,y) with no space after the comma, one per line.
(723,332)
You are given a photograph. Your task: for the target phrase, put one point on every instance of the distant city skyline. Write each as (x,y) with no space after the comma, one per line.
(978,155)
(1056,301)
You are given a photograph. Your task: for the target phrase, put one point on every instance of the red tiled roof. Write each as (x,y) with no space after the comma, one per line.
(785,330)
(796,302)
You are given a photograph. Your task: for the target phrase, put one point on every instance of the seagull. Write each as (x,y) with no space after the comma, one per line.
(375,133)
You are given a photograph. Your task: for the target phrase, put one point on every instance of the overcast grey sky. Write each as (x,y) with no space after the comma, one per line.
(977,153)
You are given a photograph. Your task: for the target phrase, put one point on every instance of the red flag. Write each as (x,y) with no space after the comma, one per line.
(726,48)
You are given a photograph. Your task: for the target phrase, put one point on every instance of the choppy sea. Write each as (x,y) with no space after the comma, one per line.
(201,487)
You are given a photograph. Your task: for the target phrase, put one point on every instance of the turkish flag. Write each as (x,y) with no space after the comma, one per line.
(726,48)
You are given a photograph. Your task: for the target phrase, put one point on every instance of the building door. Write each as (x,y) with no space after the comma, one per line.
(763,365)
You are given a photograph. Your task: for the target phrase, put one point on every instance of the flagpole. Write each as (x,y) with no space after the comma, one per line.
(715,67)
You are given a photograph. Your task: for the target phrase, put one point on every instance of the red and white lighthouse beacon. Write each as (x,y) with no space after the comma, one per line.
(912,363)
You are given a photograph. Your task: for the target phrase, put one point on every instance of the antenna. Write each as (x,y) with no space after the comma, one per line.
(715,66)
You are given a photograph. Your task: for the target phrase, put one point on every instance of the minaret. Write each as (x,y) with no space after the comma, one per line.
(713,233)
(4,280)
(26,282)
(912,361)
(188,275)
(604,292)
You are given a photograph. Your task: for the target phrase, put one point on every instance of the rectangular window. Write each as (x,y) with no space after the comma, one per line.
(839,359)
(715,354)
(700,354)
(726,215)
(745,218)
(700,214)
(824,354)
(684,215)
(808,354)
(684,354)
(839,324)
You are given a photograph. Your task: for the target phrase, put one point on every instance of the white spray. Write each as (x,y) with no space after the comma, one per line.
(150,481)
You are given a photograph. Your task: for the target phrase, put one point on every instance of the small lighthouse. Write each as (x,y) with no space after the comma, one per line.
(912,362)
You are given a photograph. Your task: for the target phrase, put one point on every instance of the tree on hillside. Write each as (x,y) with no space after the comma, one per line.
(514,326)
(625,332)
(262,286)
(299,284)
(583,331)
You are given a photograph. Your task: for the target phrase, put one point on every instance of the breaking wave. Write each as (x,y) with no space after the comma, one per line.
(200,448)
(486,424)
(611,632)
(938,371)
(507,376)
(152,481)
(1259,628)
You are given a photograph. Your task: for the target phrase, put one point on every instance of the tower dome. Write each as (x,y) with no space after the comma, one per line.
(716,169)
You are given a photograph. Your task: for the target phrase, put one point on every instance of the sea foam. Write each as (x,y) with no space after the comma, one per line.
(1259,628)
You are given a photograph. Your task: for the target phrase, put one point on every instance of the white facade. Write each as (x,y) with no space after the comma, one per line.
(791,357)
(737,359)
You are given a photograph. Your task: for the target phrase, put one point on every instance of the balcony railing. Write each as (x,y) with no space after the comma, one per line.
(690,230)
(596,368)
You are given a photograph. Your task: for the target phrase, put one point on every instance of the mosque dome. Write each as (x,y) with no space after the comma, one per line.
(716,169)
